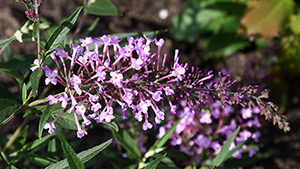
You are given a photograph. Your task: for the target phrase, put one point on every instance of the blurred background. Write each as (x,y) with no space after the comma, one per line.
(213,36)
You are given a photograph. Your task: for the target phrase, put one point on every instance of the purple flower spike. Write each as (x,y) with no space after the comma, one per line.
(147,125)
(206,118)
(168,91)
(50,126)
(178,72)
(51,76)
(52,100)
(136,63)
(156,96)
(35,65)
(246,113)
(80,109)
(116,79)
(85,42)
(81,133)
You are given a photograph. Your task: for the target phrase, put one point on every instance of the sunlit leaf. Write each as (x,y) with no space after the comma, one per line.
(102,8)
(153,164)
(73,161)
(265,18)
(5,42)
(84,156)
(113,125)
(295,23)
(61,31)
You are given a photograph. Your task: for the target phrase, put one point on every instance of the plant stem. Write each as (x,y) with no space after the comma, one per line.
(36,6)
(16,134)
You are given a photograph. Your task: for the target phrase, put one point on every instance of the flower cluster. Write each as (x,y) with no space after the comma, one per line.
(204,131)
(31,13)
(137,80)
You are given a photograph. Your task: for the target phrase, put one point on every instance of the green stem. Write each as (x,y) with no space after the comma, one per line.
(16,134)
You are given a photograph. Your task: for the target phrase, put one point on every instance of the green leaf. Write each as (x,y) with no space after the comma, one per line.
(45,116)
(127,142)
(153,164)
(265,19)
(224,44)
(194,20)
(5,42)
(24,92)
(21,138)
(73,160)
(36,27)
(36,143)
(21,62)
(113,125)
(7,53)
(7,108)
(35,80)
(67,120)
(51,151)
(224,152)
(39,160)
(12,166)
(160,142)
(102,8)
(61,31)
(295,23)
(237,148)
(84,156)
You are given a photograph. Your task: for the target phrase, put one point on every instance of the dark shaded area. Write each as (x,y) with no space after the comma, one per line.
(140,16)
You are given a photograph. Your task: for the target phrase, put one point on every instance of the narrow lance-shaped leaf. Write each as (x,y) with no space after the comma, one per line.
(160,142)
(35,80)
(113,125)
(153,164)
(62,30)
(5,42)
(84,156)
(51,151)
(35,30)
(45,116)
(39,160)
(24,93)
(36,143)
(73,161)
(224,152)
(21,138)
(128,143)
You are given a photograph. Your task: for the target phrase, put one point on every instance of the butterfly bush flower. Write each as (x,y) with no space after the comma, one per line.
(199,132)
(133,78)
